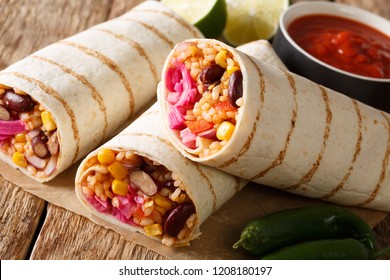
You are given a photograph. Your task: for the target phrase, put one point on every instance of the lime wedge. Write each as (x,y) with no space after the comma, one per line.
(250,20)
(209,16)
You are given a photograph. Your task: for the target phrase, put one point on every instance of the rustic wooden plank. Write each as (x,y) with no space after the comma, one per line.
(28,25)
(120,7)
(65,235)
(380,7)
(20,213)
(382,233)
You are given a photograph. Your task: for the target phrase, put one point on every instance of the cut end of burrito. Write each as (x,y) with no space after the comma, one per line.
(28,134)
(202,95)
(138,193)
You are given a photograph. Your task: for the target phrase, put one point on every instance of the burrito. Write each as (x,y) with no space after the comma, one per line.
(59,103)
(262,123)
(261,50)
(140,182)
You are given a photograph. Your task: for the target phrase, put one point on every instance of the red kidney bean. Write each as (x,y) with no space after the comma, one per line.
(4,114)
(177,218)
(39,147)
(235,87)
(18,102)
(211,74)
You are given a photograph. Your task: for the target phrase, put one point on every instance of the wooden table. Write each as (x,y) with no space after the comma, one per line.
(31,228)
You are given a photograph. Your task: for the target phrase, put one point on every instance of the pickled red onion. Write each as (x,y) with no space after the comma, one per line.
(126,207)
(187,98)
(182,93)
(100,205)
(8,128)
(209,134)
(188,138)
(176,117)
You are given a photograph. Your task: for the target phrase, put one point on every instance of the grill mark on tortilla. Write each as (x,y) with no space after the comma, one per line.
(248,142)
(385,164)
(355,155)
(237,187)
(52,92)
(309,175)
(169,144)
(179,20)
(279,159)
(108,62)
(210,186)
(95,94)
(152,29)
(136,46)
(166,142)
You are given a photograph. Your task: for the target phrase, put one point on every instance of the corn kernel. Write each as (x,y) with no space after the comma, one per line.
(117,170)
(160,209)
(119,187)
(225,130)
(48,121)
(19,159)
(180,199)
(20,137)
(231,69)
(153,230)
(106,156)
(162,201)
(220,58)
(192,50)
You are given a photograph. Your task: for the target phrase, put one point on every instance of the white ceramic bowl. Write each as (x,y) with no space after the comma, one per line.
(372,91)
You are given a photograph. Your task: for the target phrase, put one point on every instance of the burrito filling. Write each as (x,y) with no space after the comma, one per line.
(28,133)
(139,192)
(204,96)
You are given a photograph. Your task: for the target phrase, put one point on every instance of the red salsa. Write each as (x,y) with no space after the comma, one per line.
(343,43)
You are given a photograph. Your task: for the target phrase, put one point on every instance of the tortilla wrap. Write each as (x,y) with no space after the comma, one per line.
(295,135)
(262,50)
(89,84)
(207,188)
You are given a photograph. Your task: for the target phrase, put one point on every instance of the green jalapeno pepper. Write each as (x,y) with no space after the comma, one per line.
(288,227)
(325,249)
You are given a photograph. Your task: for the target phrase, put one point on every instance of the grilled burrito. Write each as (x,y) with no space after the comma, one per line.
(262,123)
(59,103)
(140,182)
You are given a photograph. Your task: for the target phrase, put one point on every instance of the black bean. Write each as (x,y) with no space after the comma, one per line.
(177,218)
(211,74)
(4,114)
(39,147)
(169,184)
(235,87)
(148,168)
(18,102)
